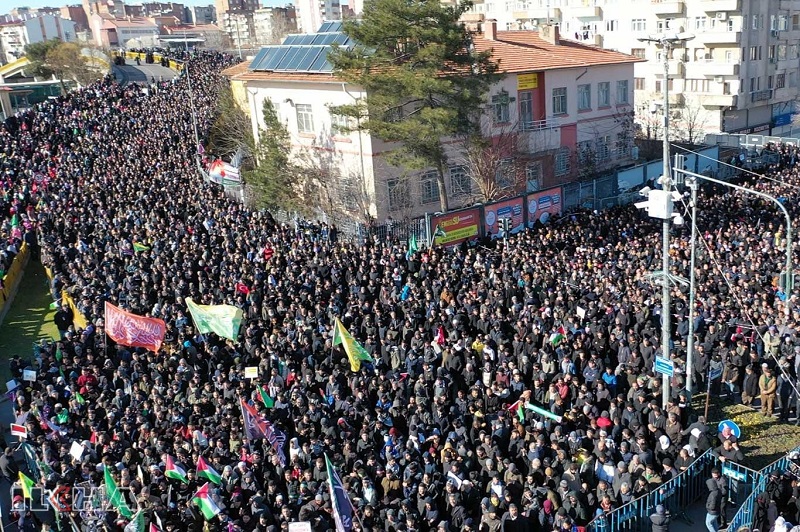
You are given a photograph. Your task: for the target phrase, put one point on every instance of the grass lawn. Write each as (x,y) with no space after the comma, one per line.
(28,319)
(763,440)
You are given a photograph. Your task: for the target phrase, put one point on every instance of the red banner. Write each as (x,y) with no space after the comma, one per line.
(542,205)
(132,330)
(455,227)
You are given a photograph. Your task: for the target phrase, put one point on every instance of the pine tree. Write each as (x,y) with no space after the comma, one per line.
(424,81)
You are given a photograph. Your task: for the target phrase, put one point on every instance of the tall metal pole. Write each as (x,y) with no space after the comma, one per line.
(665,286)
(693,185)
(788,282)
(191,101)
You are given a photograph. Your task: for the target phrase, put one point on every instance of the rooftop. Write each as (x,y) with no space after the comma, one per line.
(525,51)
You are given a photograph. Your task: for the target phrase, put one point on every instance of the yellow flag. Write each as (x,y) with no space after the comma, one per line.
(355,351)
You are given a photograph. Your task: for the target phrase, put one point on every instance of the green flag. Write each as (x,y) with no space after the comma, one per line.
(268,401)
(115,497)
(79,398)
(62,417)
(542,412)
(224,320)
(412,246)
(138,247)
(355,351)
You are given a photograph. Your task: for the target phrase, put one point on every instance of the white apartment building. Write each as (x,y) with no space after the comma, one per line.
(14,36)
(239,27)
(272,24)
(738,75)
(562,99)
(312,13)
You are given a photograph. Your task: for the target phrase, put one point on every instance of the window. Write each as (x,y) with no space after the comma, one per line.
(622,91)
(560,101)
(603,94)
(698,85)
(341,125)
(752,84)
(399,197)
(623,145)
(526,110)
(770,81)
(639,24)
(500,113)
(612,25)
(796,22)
(792,50)
(758,22)
(638,52)
(562,162)
(305,118)
(771,52)
(700,23)
(533,176)
(638,84)
(663,25)
(586,154)
(504,176)
(429,187)
(603,148)
(793,79)
(783,23)
(584,97)
(460,183)
(780,81)
(753,53)
(782,49)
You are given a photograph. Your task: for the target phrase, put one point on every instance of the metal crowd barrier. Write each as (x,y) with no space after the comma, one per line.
(746,513)
(676,495)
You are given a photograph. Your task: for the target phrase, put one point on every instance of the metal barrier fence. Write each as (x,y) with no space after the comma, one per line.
(745,515)
(676,495)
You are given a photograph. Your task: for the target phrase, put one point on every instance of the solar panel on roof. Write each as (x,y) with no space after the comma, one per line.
(310,57)
(257,59)
(291,39)
(307,39)
(274,60)
(290,59)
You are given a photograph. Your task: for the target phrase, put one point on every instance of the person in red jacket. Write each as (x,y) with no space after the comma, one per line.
(87,379)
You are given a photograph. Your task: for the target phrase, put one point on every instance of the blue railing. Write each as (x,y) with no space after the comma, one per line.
(676,495)
(746,514)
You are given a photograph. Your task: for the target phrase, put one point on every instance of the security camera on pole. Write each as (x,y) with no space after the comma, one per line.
(659,205)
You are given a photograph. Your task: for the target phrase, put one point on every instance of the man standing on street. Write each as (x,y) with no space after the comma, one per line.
(660,520)
(768,385)
(713,503)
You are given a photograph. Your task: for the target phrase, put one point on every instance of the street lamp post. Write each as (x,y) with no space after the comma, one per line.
(691,182)
(666,42)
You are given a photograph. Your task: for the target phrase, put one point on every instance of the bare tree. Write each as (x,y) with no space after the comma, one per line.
(691,121)
(493,166)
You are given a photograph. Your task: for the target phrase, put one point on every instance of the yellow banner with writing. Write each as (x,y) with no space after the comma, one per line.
(526,82)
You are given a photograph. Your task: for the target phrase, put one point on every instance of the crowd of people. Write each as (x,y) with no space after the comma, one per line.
(434,435)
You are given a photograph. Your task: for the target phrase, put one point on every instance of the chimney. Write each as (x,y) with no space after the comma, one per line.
(490,29)
(549,33)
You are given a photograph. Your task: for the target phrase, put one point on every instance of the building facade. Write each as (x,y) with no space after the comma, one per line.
(14,36)
(272,24)
(566,106)
(76,14)
(124,32)
(238,27)
(200,14)
(738,75)
(312,13)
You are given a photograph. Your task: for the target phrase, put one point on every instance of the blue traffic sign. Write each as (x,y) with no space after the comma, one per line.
(735,430)
(664,366)
(715,373)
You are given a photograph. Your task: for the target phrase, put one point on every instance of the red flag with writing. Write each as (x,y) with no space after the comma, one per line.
(132,330)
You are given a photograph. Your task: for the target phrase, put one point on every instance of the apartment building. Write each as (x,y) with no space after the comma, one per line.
(738,75)
(566,105)
(272,24)
(14,36)
(312,13)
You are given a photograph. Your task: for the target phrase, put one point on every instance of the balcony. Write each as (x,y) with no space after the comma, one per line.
(717,100)
(790,5)
(540,135)
(667,7)
(761,96)
(588,12)
(472,17)
(785,94)
(713,38)
(676,99)
(538,13)
(715,6)
(711,67)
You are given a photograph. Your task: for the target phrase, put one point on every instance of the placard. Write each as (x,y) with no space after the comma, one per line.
(455,227)
(29,375)
(20,431)
(527,81)
(251,372)
(76,450)
(302,526)
(12,385)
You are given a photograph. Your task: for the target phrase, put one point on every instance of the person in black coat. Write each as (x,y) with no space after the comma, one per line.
(660,519)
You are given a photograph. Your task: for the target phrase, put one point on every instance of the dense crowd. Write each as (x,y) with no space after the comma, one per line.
(428,437)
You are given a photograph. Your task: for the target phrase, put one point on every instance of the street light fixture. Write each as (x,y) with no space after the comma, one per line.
(660,202)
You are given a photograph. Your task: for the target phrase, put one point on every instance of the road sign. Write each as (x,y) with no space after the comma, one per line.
(664,366)
(735,430)
(715,373)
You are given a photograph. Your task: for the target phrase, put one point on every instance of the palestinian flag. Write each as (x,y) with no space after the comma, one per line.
(174,471)
(268,401)
(519,409)
(206,504)
(206,471)
(557,336)
(26,484)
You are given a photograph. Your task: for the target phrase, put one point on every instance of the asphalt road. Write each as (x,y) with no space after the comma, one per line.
(131,73)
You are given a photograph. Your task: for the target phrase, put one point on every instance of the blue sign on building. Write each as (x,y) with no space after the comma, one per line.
(782,120)
(664,366)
